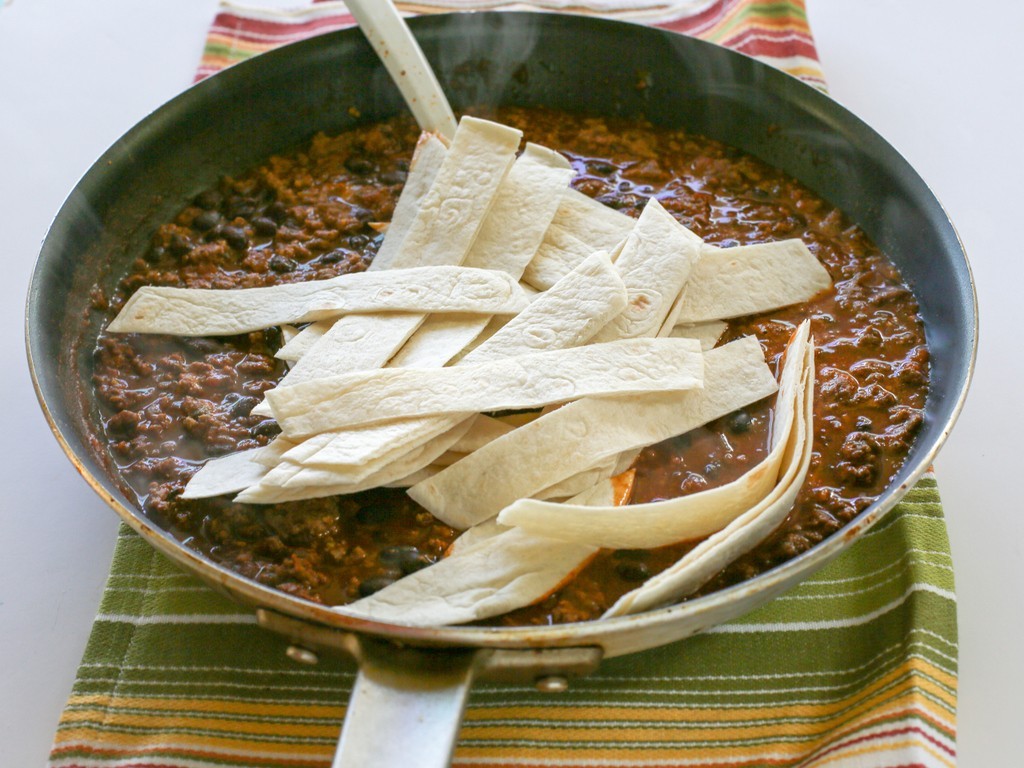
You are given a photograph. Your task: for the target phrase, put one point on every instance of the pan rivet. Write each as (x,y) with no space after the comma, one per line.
(552,684)
(301,655)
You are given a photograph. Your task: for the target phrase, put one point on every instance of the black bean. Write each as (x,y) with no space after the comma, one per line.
(603,168)
(632,571)
(264,225)
(240,405)
(360,165)
(179,245)
(206,220)
(406,558)
(282,264)
(333,257)
(374,584)
(266,428)
(209,199)
(276,211)
(235,237)
(358,242)
(739,422)
(154,254)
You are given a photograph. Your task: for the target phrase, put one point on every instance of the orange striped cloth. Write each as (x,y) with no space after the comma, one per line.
(854,668)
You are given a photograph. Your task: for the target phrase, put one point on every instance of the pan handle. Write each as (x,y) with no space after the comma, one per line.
(406,706)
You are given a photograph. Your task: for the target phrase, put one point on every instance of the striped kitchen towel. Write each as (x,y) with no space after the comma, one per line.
(854,667)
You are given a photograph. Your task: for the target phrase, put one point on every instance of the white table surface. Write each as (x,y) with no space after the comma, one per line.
(941,80)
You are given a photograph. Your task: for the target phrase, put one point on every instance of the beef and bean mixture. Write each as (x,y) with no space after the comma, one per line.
(169,403)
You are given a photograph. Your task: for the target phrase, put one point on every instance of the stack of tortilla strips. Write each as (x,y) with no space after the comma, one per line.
(498,287)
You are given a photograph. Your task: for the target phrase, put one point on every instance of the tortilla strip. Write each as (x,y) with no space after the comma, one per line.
(565,316)
(488,571)
(446,223)
(211,312)
(559,253)
(526,381)
(233,472)
(296,346)
(707,333)
(426,162)
(509,237)
(581,225)
(490,577)
(581,434)
(655,263)
(696,516)
(732,282)
(450,214)
(601,227)
(747,530)
(483,429)
(290,482)
(440,338)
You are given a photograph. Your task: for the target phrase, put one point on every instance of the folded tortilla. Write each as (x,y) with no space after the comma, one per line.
(687,518)
(492,576)
(525,381)
(579,435)
(744,533)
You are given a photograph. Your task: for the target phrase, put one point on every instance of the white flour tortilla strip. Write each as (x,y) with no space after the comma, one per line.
(525,381)
(483,430)
(473,536)
(488,571)
(687,518)
(747,530)
(440,338)
(211,312)
(442,232)
(450,214)
(581,225)
(234,472)
(579,435)
(558,255)
(596,224)
(707,333)
(566,316)
(492,576)
(289,482)
(508,239)
(732,282)
(427,159)
(655,263)
(296,346)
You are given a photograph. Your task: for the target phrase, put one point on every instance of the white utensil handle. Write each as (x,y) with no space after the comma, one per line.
(390,37)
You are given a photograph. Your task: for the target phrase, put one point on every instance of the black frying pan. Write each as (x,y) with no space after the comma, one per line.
(277,101)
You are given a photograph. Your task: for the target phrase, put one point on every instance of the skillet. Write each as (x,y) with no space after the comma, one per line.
(415,680)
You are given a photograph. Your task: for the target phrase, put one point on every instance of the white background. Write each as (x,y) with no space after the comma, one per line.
(941,80)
